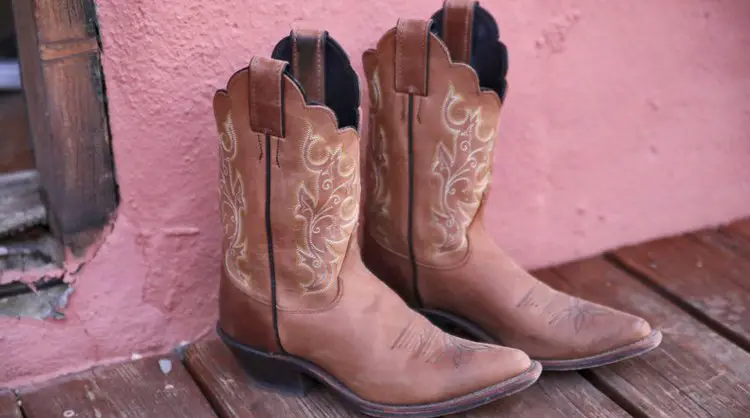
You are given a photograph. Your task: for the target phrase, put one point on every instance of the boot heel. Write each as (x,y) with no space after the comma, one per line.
(268,370)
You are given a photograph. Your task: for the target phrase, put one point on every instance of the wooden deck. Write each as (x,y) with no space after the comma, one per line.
(695,288)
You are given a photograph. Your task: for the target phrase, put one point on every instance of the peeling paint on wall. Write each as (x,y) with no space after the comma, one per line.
(48,303)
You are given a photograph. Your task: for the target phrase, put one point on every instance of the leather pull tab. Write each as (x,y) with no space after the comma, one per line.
(458,21)
(308,62)
(412,56)
(266,95)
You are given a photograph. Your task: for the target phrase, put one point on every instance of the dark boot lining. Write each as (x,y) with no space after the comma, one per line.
(489,56)
(341,84)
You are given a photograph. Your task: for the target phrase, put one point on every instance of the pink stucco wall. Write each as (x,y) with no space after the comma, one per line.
(626,120)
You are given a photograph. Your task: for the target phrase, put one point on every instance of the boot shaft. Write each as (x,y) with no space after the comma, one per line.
(289,176)
(432,132)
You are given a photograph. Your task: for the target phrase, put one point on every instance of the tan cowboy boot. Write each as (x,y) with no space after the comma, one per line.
(295,300)
(433,120)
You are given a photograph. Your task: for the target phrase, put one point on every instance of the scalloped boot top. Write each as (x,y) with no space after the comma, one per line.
(436,90)
(296,305)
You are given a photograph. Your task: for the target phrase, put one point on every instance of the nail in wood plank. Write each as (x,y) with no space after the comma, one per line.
(694,373)
(135,389)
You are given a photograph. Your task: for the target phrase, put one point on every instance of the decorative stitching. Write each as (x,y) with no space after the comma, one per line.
(423,52)
(462,169)
(380,194)
(426,342)
(579,314)
(399,57)
(233,208)
(251,99)
(467,34)
(326,209)
(319,67)
(295,55)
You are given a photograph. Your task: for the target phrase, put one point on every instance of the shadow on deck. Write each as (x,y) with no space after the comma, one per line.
(694,288)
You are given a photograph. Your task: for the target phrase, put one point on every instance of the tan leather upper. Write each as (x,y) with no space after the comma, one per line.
(329,308)
(314,188)
(454,128)
(451,263)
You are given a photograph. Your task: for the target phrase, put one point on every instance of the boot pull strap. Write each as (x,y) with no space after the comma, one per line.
(458,20)
(266,95)
(412,53)
(308,62)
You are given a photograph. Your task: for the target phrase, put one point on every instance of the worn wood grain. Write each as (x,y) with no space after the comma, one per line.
(694,373)
(555,395)
(234,395)
(15,142)
(139,389)
(62,81)
(20,205)
(706,273)
(8,405)
(63,20)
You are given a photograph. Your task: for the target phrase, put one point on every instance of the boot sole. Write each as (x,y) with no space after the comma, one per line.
(293,375)
(458,325)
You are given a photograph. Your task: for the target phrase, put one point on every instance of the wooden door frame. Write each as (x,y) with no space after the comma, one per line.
(60,57)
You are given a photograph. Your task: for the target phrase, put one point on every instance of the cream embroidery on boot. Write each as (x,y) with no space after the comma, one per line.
(462,169)
(233,208)
(327,209)
(380,196)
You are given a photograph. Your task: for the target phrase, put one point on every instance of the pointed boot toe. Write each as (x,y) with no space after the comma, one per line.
(618,337)
(436,92)
(297,306)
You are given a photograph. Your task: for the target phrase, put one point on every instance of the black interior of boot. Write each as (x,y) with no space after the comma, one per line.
(341,84)
(489,56)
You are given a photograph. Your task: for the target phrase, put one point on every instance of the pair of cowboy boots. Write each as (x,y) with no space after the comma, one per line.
(297,302)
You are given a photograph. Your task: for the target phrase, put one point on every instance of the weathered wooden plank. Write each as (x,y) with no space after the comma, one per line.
(20,205)
(143,388)
(84,194)
(556,395)
(234,395)
(15,143)
(8,405)
(703,273)
(694,373)
(63,86)
(65,20)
